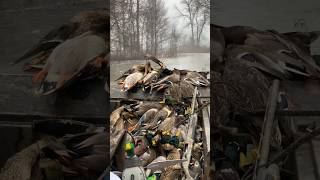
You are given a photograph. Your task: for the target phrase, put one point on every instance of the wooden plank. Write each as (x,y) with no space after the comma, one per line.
(300,113)
(304,163)
(206,127)
(18,99)
(193,120)
(267,127)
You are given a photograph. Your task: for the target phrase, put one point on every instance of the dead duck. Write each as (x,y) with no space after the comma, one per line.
(141,145)
(179,91)
(145,118)
(151,77)
(172,172)
(134,76)
(305,57)
(278,51)
(81,55)
(303,39)
(116,135)
(95,21)
(254,57)
(166,81)
(131,81)
(80,153)
(143,68)
(143,107)
(160,116)
(275,63)
(196,79)
(115,116)
(147,157)
(21,165)
(168,124)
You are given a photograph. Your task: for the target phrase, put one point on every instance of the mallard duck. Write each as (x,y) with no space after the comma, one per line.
(280,55)
(275,64)
(160,116)
(115,116)
(116,136)
(147,157)
(305,57)
(166,81)
(173,77)
(254,57)
(82,55)
(96,21)
(141,145)
(303,39)
(145,118)
(168,124)
(172,172)
(179,91)
(280,52)
(131,81)
(143,107)
(143,68)
(150,77)
(81,153)
(196,79)
(20,166)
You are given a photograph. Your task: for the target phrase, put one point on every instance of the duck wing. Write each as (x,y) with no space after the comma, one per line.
(50,41)
(300,53)
(97,139)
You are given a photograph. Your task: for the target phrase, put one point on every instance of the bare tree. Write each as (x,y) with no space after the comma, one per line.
(197,13)
(138,26)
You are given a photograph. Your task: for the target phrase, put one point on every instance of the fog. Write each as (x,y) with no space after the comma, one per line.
(181,24)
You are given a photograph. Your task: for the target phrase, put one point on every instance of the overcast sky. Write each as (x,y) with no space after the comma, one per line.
(180,23)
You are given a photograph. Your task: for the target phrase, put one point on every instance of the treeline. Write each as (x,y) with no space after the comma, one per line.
(141,27)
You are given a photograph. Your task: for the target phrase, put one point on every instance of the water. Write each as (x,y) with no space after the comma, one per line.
(190,61)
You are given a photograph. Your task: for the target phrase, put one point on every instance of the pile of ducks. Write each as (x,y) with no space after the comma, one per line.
(148,140)
(281,55)
(148,79)
(245,62)
(69,53)
(80,155)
